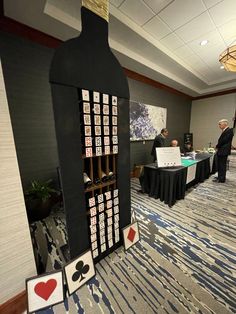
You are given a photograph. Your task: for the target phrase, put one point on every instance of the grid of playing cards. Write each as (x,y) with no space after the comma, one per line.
(99,123)
(104,221)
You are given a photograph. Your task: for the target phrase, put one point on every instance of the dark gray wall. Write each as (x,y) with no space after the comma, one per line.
(178,117)
(25,67)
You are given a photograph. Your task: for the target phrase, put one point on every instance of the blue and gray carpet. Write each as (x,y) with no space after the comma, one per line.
(184,263)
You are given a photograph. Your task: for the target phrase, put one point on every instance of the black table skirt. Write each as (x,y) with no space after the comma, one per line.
(166,184)
(169,184)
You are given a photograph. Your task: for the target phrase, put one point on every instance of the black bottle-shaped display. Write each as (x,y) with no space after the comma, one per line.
(86,62)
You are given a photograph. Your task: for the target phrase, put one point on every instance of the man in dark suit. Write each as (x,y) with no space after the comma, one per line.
(159,141)
(223,149)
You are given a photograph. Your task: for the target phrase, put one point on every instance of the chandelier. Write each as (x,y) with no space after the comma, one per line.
(228,58)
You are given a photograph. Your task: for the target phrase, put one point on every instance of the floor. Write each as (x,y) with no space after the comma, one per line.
(184,263)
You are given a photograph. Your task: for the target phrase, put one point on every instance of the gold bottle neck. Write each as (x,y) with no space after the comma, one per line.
(99,7)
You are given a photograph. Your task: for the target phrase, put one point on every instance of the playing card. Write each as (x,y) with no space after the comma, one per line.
(109,236)
(105,120)
(97,130)
(107,150)
(106,109)
(115,193)
(93,220)
(95,253)
(114,120)
(93,237)
(96,97)
(116,209)
(115,139)
(89,152)
(116,201)
(106,130)
(101,225)
(109,212)
(108,195)
(87,119)
(88,141)
(96,108)
(85,94)
(101,207)
(87,130)
(99,151)
(115,149)
(109,204)
(109,229)
(102,232)
(86,107)
(114,130)
(103,247)
(105,99)
(101,217)
(109,221)
(93,229)
(97,119)
(110,243)
(100,198)
(94,245)
(102,239)
(98,141)
(106,140)
(116,225)
(91,201)
(93,211)
(114,100)
(114,110)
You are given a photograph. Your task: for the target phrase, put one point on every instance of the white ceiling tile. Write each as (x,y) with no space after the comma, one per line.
(157,5)
(180,12)
(223,12)
(137,11)
(197,27)
(211,3)
(183,52)
(230,41)
(228,30)
(116,3)
(157,28)
(213,38)
(172,41)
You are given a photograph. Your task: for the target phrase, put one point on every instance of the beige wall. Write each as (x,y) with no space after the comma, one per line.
(16,254)
(205,115)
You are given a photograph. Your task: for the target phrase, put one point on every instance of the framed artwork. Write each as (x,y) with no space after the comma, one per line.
(131,235)
(79,271)
(44,291)
(146,121)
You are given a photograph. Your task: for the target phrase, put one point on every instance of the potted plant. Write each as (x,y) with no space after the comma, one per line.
(39,199)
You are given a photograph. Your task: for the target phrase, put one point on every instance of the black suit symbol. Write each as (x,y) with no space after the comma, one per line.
(81,270)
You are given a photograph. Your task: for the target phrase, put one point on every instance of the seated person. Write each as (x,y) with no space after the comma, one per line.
(174,143)
(188,148)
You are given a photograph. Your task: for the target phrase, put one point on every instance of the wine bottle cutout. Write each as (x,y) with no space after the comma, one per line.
(86,62)
(87,181)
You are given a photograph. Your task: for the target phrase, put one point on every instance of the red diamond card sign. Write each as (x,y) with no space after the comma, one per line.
(130,235)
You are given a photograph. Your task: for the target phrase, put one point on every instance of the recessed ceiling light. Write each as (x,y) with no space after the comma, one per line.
(204,42)
(222,67)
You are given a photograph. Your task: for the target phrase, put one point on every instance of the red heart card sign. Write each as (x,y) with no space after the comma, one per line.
(45,289)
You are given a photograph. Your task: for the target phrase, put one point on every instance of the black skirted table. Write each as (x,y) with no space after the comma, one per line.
(169,184)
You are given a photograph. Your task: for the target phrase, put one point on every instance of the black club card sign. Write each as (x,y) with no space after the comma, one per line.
(79,271)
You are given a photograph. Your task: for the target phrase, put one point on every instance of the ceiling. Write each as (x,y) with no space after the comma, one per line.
(156,38)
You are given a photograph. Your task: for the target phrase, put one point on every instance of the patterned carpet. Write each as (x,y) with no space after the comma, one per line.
(184,263)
